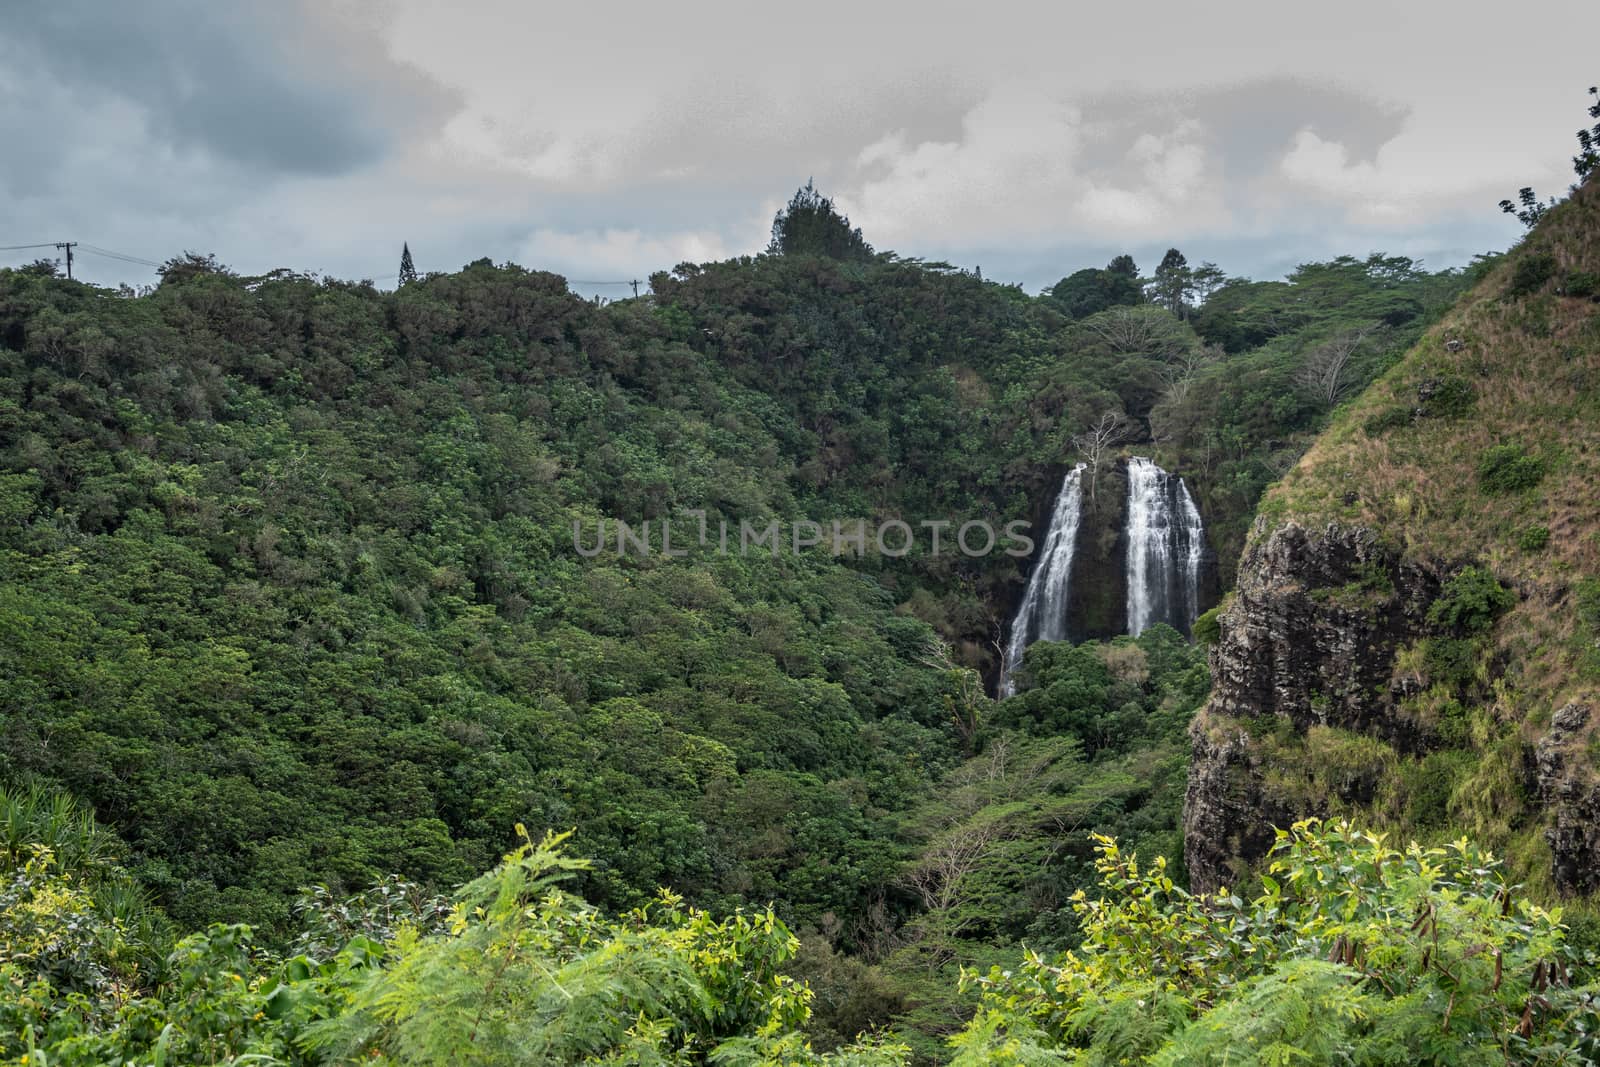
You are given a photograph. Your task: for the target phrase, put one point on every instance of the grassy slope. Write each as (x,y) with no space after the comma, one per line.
(1533,363)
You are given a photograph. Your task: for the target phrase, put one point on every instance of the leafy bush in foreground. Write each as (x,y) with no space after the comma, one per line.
(523,974)
(1353,953)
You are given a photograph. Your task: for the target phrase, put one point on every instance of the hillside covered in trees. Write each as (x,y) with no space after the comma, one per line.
(295,605)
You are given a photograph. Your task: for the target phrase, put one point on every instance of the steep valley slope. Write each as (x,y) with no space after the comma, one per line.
(1415,635)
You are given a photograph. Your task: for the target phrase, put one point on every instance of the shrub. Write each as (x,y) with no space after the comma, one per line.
(1430,781)
(1506,469)
(1533,538)
(1354,952)
(1530,274)
(1391,418)
(1582,284)
(1471,601)
(1449,397)
(1451,661)
(1207,629)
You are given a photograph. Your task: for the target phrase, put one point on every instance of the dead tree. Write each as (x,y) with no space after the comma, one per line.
(1325,372)
(1098,441)
(1141,329)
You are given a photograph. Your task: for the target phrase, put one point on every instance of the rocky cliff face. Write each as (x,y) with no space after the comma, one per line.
(1339,689)
(1309,639)
(1564,780)
(1313,638)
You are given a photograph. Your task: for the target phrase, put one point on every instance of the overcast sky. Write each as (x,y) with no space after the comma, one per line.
(608,141)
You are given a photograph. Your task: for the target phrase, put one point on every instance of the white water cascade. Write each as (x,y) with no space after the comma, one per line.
(1043,614)
(1166,546)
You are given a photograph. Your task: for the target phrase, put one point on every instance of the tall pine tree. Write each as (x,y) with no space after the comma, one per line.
(1173,282)
(408,270)
(811,226)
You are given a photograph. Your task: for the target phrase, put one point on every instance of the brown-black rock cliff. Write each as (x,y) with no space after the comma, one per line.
(1415,638)
(1308,639)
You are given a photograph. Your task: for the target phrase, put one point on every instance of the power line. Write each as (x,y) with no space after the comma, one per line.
(109,254)
(18,248)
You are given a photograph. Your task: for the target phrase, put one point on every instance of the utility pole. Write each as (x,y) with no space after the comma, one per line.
(68,246)
(635,284)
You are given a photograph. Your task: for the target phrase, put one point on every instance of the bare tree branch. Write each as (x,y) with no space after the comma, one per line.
(1141,329)
(1325,371)
(1098,441)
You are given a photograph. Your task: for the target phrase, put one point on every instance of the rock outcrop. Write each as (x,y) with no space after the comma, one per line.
(1338,689)
(1310,637)
(1565,782)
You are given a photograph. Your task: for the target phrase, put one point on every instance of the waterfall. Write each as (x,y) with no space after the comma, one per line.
(1043,614)
(1166,545)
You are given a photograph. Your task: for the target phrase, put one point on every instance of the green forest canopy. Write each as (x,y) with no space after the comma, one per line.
(292,597)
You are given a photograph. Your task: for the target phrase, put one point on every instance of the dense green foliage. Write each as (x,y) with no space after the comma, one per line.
(1094,740)
(1355,952)
(999,852)
(300,592)
(294,594)
(1352,953)
(521,973)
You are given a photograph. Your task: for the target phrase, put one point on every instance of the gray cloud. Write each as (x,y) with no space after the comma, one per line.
(1031,139)
(262,86)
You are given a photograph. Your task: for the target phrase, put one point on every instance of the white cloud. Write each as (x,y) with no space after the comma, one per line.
(1032,165)
(617,253)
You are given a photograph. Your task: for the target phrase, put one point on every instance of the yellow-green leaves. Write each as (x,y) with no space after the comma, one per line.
(1354,952)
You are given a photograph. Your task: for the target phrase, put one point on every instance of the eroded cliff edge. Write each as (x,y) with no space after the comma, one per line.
(1415,637)
(1308,640)
(1328,699)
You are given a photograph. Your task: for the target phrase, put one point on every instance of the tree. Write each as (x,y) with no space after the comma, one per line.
(408,270)
(1588,157)
(1325,371)
(1208,278)
(1090,291)
(1528,208)
(1098,440)
(1178,374)
(1180,370)
(192,265)
(1143,330)
(809,225)
(1173,282)
(964,698)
